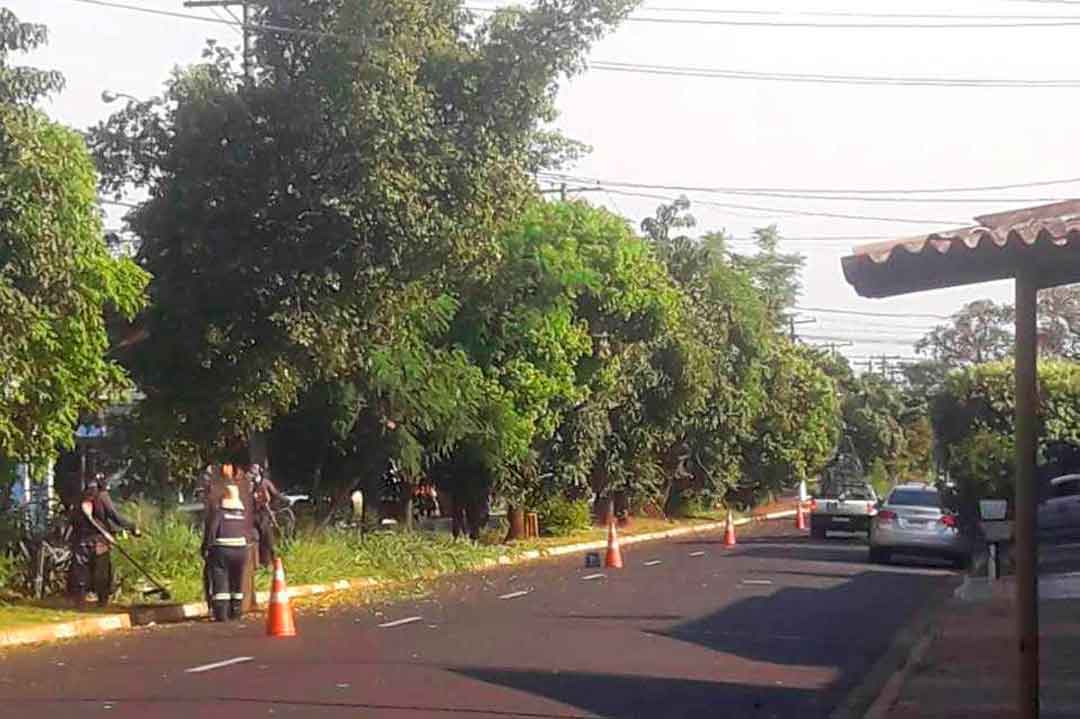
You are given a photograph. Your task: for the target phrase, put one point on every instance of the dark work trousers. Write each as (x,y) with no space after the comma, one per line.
(265,527)
(226,581)
(91,570)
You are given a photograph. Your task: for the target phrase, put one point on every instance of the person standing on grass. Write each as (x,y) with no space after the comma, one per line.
(224,547)
(264,493)
(93,519)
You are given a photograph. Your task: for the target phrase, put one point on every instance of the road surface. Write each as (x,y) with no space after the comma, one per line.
(780,626)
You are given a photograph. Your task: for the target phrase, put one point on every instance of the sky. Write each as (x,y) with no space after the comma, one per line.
(713,132)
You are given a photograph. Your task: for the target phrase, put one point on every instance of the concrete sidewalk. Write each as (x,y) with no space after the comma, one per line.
(967,666)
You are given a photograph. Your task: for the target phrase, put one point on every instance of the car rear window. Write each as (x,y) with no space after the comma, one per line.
(915,498)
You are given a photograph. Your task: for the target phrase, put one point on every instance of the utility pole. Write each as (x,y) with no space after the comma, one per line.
(792,322)
(245,19)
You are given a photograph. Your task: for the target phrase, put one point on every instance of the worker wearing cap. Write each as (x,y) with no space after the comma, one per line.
(92,521)
(264,493)
(225,548)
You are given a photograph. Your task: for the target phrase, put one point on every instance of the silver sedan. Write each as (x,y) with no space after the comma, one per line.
(913,521)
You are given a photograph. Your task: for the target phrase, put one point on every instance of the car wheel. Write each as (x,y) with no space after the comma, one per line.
(879,555)
(817,528)
(962,562)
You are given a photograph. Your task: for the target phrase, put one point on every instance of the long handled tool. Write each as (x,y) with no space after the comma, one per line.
(159,590)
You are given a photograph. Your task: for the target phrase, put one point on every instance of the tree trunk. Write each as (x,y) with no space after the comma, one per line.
(602,511)
(622,508)
(516,516)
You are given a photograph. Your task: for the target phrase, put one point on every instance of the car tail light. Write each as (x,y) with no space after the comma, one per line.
(813,505)
(949,520)
(886,515)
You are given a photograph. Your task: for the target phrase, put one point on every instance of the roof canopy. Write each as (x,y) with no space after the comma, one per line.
(1044,241)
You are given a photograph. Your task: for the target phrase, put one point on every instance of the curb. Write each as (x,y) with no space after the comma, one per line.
(874,696)
(66,630)
(173,613)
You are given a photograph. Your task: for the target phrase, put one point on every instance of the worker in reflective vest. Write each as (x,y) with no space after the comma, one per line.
(225,549)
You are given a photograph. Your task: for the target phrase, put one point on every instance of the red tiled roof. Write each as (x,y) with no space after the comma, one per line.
(1044,239)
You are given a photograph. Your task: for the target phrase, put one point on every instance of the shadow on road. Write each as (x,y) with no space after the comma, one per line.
(803,626)
(621,695)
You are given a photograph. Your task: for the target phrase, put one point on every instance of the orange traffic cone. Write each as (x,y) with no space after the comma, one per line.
(800,517)
(613,560)
(729,532)
(279,618)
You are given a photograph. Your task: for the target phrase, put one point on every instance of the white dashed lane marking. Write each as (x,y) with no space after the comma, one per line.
(514,595)
(587,577)
(218,665)
(652,562)
(399,622)
(697,554)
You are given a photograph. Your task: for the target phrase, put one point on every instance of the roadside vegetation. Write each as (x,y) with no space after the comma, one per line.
(347,265)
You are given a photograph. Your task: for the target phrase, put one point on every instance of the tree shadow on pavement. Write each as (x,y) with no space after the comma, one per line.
(631,696)
(814,627)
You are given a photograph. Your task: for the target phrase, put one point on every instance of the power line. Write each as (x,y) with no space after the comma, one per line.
(823,194)
(804,213)
(857,14)
(859,313)
(254,27)
(1070,21)
(119,203)
(1057,23)
(858,340)
(826,79)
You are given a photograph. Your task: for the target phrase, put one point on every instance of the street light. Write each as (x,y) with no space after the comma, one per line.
(109,97)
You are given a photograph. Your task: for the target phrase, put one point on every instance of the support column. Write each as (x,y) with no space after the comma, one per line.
(1027,587)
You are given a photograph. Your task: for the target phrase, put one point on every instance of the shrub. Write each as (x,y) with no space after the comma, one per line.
(560,516)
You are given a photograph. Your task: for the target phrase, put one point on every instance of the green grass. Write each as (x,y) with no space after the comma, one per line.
(169,549)
(16,615)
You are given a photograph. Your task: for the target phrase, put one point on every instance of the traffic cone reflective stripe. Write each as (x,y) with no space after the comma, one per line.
(279,617)
(613,560)
(729,531)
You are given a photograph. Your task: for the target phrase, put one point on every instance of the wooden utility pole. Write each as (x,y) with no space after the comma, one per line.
(245,18)
(792,322)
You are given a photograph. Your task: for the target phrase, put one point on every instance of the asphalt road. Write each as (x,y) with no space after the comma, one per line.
(779,626)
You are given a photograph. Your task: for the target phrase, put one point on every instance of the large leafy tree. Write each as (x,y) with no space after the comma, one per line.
(20,85)
(57,278)
(316,223)
(981,331)
(750,437)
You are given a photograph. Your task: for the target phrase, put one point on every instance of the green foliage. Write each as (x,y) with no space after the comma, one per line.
(973,419)
(797,429)
(169,549)
(879,479)
(23,85)
(316,228)
(57,279)
(981,331)
(560,517)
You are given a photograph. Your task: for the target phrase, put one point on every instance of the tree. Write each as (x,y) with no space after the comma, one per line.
(776,275)
(979,332)
(23,85)
(798,427)
(1059,322)
(973,421)
(317,224)
(57,278)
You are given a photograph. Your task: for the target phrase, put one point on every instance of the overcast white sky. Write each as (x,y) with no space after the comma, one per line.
(718,132)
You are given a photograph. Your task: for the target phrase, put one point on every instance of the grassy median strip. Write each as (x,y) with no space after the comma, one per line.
(405,561)
(16,615)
